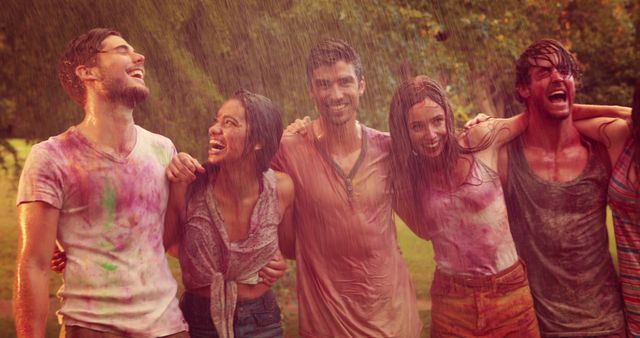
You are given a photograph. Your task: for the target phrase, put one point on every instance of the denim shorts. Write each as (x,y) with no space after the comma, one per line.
(259,318)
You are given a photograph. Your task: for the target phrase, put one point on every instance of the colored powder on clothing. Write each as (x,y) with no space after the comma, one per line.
(109,267)
(160,153)
(111,216)
(108,203)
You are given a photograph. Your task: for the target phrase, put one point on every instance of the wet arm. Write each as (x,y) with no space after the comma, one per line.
(611,132)
(505,129)
(269,274)
(174,217)
(286,229)
(181,171)
(38,222)
(588,111)
(410,217)
(510,128)
(608,125)
(405,214)
(277,266)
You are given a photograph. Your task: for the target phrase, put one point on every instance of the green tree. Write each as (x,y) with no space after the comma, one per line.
(199,52)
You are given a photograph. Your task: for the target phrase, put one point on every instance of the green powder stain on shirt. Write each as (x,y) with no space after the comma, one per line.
(108,203)
(161,154)
(109,267)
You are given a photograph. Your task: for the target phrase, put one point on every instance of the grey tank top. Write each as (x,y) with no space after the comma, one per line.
(559,231)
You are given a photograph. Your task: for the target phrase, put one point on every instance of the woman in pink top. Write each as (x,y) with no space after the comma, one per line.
(448,191)
(227,219)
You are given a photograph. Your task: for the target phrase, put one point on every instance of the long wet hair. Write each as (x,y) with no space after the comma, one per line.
(264,124)
(409,167)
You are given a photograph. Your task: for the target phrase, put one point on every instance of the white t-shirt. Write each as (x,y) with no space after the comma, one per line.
(111,223)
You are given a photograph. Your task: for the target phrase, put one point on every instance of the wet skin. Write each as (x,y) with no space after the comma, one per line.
(551,91)
(427,128)
(336,91)
(552,144)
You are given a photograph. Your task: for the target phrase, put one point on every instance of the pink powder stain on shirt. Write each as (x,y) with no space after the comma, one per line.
(148,199)
(481,198)
(110,227)
(469,227)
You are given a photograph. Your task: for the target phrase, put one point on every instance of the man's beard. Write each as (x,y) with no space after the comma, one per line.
(548,115)
(129,96)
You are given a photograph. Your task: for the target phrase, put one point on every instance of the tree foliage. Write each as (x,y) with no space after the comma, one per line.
(199,52)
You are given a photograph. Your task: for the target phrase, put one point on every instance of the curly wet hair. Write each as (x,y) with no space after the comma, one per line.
(543,50)
(80,51)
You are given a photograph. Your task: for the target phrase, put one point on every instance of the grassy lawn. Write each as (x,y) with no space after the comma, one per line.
(417,253)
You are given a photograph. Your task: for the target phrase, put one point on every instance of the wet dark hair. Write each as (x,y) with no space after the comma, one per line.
(542,50)
(409,167)
(329,51)
(406,96)
(264,127)
(80,51)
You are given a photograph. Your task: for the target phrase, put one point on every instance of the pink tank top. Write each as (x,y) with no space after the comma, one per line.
(469,227)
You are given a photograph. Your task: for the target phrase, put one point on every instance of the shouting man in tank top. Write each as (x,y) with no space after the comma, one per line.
(556,187)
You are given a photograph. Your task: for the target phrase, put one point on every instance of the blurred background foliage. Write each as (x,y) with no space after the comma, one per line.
(199,52)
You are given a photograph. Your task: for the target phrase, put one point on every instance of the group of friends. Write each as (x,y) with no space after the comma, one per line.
(514,208)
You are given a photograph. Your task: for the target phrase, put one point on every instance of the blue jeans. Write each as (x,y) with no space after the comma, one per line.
(258,318)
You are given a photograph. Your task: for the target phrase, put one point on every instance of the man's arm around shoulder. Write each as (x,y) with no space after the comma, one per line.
(38,222)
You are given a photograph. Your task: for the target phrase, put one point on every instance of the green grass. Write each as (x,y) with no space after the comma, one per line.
(7,329)
(8,223)
(418,255)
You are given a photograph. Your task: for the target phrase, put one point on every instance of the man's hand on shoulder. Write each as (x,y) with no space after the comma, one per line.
(298,126)
(476,120)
